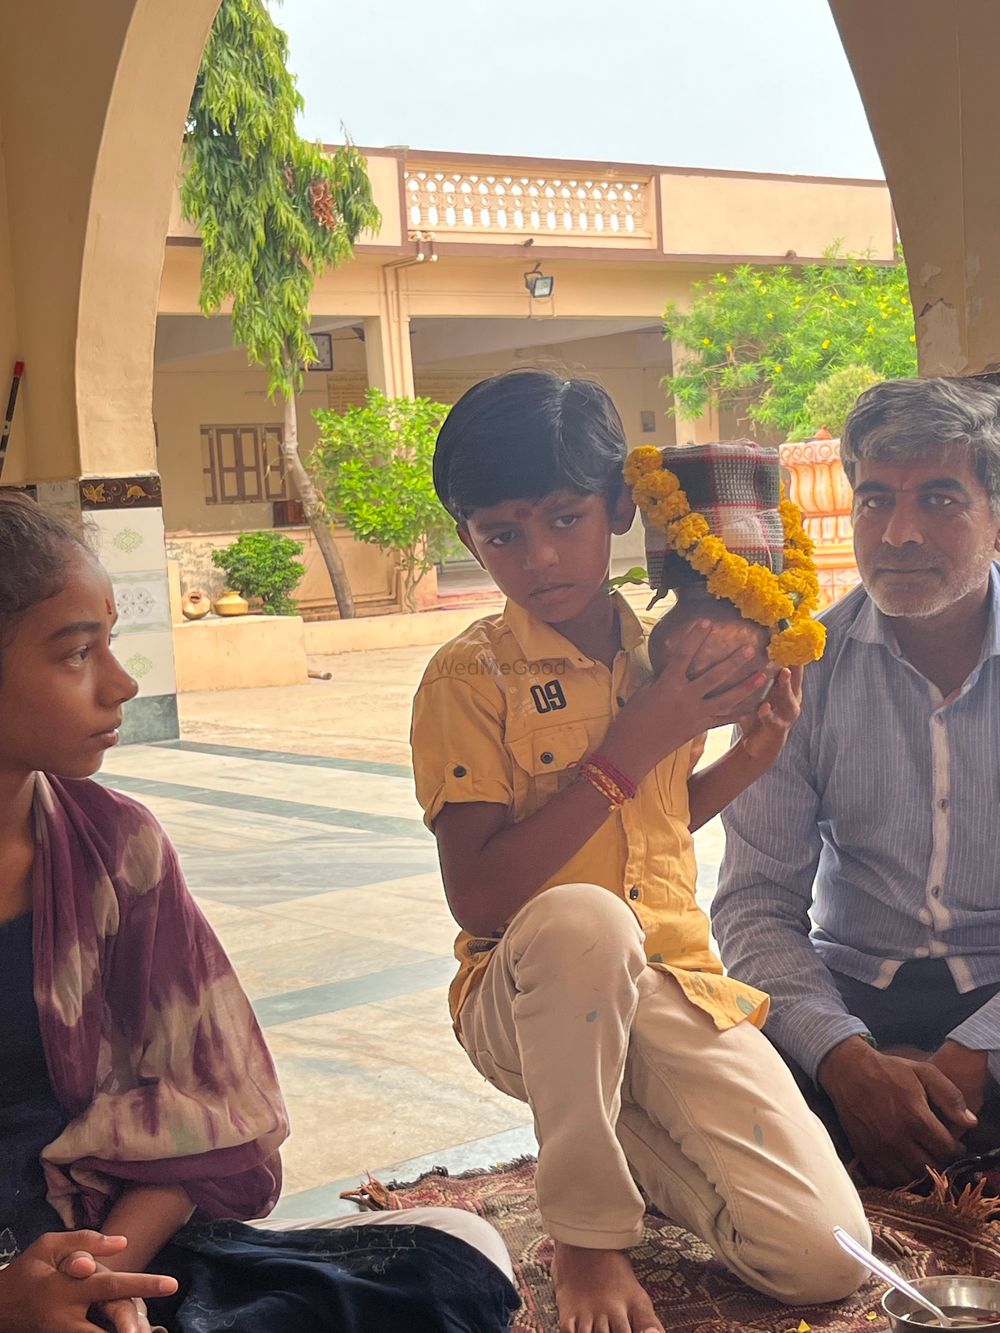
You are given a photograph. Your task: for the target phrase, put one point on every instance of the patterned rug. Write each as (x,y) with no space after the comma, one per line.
(692,1292)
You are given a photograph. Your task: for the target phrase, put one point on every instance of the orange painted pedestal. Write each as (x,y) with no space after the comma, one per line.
(820,489)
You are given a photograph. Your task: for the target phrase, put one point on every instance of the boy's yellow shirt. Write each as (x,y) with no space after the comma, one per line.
(504,713)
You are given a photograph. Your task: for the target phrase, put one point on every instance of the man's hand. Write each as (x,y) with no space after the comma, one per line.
(47,1289)
(900,1115)
(967,1069)
(765,732)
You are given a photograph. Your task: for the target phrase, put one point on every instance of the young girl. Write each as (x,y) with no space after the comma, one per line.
(136,1091)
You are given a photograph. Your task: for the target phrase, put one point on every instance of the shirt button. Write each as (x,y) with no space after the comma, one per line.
(925,915)
(943,803)
(459,771)
(620,701)
(936,891)
(546,756)
(633,893)
(921,952)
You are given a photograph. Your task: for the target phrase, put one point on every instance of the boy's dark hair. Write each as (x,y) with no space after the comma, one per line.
(35,548)
(525,434)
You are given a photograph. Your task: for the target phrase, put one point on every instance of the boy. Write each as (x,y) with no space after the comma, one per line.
(558,781)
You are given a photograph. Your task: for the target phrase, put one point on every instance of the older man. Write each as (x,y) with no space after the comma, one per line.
(881,820)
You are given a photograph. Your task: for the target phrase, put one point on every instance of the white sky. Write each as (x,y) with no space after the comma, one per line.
(757,85)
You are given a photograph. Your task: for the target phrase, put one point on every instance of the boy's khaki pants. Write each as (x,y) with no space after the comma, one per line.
(632,1084)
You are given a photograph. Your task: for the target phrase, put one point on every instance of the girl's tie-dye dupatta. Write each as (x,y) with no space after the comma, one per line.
(151,1044)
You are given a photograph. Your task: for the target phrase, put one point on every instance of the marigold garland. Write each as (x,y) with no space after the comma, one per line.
(782,603)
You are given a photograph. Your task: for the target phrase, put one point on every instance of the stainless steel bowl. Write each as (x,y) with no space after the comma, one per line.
(950,1294)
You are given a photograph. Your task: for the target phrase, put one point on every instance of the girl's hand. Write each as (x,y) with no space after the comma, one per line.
(125,1316)
(765,732)
(47,1289)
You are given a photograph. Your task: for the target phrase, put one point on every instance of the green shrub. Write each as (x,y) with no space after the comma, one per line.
(263,564)
(832,399)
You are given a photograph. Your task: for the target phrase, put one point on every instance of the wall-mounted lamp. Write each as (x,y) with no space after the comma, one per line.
(540,285)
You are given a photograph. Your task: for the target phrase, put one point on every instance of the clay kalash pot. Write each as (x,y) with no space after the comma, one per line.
(730,631)
(734,487)
(231,604)
(196,605)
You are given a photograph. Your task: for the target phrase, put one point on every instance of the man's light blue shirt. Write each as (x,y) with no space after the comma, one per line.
(881,821)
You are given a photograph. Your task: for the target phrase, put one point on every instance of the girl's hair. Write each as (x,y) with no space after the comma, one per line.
(35,548)
(525,434)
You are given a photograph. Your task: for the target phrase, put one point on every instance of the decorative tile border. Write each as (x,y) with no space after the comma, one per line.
(129,541)
(140,492)
(123,517)
(142,601)
(147,657)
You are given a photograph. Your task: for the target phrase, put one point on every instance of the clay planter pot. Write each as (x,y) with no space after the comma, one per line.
(729,632)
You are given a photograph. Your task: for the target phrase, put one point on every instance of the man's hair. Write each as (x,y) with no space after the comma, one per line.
(35,550)
(901,420)
(525,434)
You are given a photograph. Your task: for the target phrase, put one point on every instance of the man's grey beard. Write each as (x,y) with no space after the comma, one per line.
(924,606)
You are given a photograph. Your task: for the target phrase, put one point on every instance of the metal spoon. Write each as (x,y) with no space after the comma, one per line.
(893,1278)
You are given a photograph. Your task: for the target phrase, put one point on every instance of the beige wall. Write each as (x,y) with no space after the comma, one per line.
(616,361)
(223,390)
(763,216)
(215,390)
(709,213)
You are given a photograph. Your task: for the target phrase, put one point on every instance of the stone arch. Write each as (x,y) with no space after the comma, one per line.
(92,103)
(128,211)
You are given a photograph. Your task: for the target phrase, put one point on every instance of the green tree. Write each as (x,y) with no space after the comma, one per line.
(273,211)
(761,339)
(373,467)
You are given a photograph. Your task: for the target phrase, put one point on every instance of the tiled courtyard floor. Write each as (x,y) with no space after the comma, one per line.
(294,816)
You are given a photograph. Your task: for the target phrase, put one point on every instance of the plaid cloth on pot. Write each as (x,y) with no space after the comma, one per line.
(736,486)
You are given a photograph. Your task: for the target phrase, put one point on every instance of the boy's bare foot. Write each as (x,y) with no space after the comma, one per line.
(597,1292)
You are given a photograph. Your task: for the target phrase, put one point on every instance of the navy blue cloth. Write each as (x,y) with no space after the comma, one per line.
(362,1279)
(30,1115)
